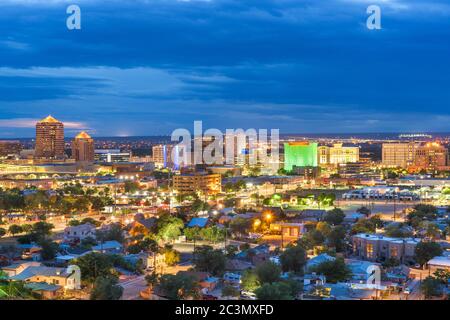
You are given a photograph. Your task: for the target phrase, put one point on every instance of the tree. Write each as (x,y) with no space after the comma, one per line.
(131,187)
(432,231)
(313,238)
(212,234)
(143,245)
(14,290)
(268,272)
(2,232)
(250,281)
(364,210)
(15,229)
(49,249)
(171,256)
(391,262)
(231,251)
(114,232)
(368,225)
(93,265)
(422,212)
(106,288)
(152,279)
(324,228)
(209,260)
(42,229)
(179,286)
(442,275)
(335,216)
(230,291)
(199,205)
(334,271)
(192,233)
(274,291)
(431,287)
(169,227)
(240,226)
(336,238)
(426,251)
(397,230)
(293,259)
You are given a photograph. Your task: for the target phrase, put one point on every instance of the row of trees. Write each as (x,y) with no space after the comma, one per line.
(66,200)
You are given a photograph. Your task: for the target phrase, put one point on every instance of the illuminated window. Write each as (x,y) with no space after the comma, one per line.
(369,250)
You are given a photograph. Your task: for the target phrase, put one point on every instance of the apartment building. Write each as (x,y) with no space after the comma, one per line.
(374,247)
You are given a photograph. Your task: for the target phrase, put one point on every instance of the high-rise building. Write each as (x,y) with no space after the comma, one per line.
(162,155)
(83,148)
(49,139)
(300,154)
(338,154)
(9,147)
(431,155)
(170,156)
(399,154)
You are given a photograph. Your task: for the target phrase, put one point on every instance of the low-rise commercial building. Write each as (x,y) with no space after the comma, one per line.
(374,247)
(197,182)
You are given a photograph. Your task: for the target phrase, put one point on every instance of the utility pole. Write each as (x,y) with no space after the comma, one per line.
(395,204)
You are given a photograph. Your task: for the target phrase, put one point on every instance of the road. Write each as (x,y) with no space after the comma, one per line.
(381,207)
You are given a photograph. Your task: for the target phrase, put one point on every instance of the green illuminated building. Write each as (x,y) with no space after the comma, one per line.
(300,154)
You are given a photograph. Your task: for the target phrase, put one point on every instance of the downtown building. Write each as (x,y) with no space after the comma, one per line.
(205,183)
(399,154)
(49,139)
(83,149)
(337,154)
(414,155)
(431,155)
(376,247)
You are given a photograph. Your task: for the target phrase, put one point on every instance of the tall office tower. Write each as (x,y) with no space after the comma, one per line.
(300,154)
(338,154)
(83,148)
(49,139)
(431,155)
(399,154)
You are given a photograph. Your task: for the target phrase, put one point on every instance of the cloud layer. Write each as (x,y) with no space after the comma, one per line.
(147,67)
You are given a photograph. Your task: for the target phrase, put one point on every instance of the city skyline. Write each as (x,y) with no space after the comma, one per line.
(299,66)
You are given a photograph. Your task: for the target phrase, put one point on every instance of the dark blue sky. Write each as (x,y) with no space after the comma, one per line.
(146,67)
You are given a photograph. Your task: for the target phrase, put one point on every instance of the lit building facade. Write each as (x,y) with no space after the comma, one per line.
(208,184)
(300,154)
(431,155)
(83,148)
(49,139)
(111,155)
(399,154)
(375,247)
(337,154)
(162,155)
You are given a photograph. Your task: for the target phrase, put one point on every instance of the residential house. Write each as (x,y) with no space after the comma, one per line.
(57,276)
(80,232)
(439,263)
(110,247)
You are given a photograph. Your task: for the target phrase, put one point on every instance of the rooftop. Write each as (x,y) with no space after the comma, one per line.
(49,119)
(83,135)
